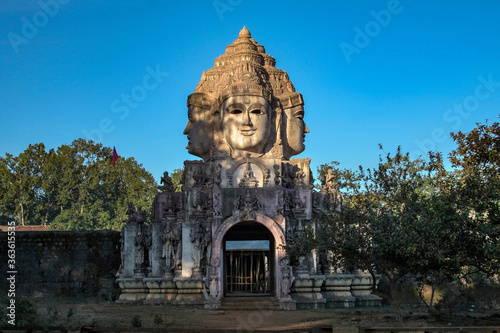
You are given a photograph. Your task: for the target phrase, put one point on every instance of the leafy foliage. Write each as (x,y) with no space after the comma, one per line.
(384,225)
(412,218)
(75,187)
(299,247)
(475,184)
(177,177)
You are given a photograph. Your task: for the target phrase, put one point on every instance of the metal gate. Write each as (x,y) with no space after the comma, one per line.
(247,272)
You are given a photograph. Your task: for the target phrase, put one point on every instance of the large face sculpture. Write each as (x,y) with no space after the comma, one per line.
(296,129)
(246,123)
(198,132)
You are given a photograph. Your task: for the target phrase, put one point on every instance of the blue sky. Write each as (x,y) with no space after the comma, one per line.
(416,71)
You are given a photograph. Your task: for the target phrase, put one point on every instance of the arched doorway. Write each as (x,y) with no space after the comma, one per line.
(260,226)
(248,268)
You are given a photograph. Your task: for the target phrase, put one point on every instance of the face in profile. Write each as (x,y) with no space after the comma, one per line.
(198,132)
(296,129)
(246,123)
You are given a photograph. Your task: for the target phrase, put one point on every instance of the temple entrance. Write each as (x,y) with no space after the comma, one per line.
(248,260)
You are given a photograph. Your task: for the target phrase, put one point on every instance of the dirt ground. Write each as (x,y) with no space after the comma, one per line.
(77,312)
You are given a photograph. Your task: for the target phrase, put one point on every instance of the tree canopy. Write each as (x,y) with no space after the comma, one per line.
(73,187)
(413,218)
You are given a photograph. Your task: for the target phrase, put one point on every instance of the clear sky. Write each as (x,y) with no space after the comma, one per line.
(391,72)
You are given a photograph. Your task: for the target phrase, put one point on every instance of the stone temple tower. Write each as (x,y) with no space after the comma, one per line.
(225,233)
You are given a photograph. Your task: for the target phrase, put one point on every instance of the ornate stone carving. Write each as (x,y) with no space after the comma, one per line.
(248,179)
(200,206)
(218,175)
(140,243)
(288,178)
(217,202)
(199,129)
(177,245)
(132,218)
(170,208)
(267,177)
(294,205)
(277,176)
(299,230)
(332,194)
(166,181)
(120,272)
(207,241)
(298,206)
(212,282)
(296,129)
(258,108)
(148,245)
(247,205)
(196,238)
(290,233)
(287,279)
(199,177)
(168,249)
(229,174)
(214,287)
(139,215)
(215,261)
(141,239)
(299,177)
(245,120)
(280,204)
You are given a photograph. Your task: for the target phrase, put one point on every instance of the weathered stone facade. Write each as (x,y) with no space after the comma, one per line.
(245,122)
(71,263)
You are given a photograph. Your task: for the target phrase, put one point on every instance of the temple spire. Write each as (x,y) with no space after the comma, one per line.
(245,33)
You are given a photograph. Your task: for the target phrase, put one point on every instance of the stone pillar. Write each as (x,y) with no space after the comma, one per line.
(306,291)
(187,252)
(213,295)
(361,288)
(189,291)
(286,280)
(337,291)
(157,263)
(129,231)
(132,287)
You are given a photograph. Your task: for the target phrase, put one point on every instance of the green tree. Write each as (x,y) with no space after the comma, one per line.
(96,189)
(49,183)
(412,218)
(22,193)
(73,187)
(386,224)
(177,178)
(476,188)
(7,187)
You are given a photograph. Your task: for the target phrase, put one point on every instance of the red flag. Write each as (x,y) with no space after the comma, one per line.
(115,155)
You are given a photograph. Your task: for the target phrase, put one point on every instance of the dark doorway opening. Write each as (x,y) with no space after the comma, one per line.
(249,260)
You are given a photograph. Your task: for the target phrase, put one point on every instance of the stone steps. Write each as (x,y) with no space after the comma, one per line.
(250,303)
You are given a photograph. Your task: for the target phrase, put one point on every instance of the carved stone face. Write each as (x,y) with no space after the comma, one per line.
(296,129)
(246,123)
(198,132)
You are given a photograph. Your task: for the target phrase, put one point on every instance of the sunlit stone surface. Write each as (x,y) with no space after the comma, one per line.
(245,120)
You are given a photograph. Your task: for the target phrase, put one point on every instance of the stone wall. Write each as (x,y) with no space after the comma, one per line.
(64,263)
